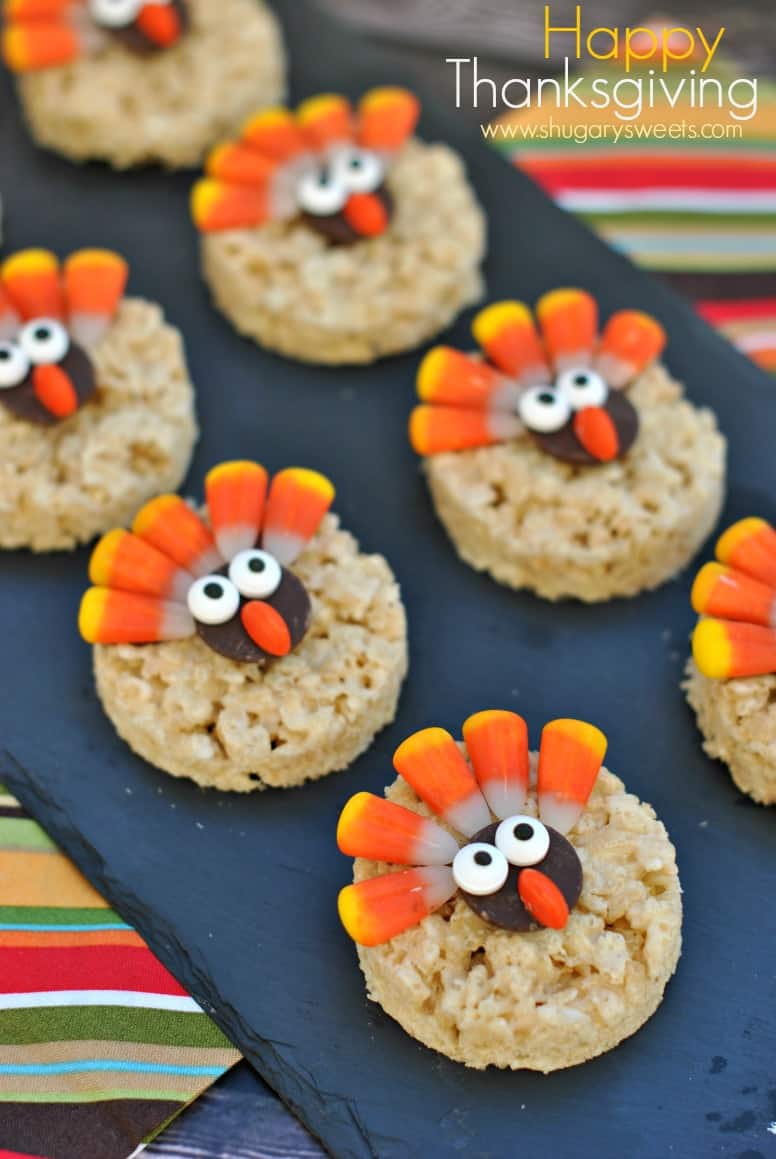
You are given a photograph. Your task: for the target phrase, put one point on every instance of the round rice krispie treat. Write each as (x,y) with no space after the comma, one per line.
(96,406)
(565,463)
(238,665)
(537,928)
(335,237)
(134,82)
(731,680)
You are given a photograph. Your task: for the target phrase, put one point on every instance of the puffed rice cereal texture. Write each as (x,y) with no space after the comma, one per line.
(286,287)
(167,108)
(589,532)
(549,999)
(193,713)
(62,485)
(738,722)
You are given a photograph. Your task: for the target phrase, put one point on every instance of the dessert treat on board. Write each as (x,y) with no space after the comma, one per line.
(731,679)
(507,912)
(96,406)
(134,82)
(333,236)
(251,646)
(564,462)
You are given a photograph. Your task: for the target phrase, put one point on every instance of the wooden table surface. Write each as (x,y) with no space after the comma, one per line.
(240,1118)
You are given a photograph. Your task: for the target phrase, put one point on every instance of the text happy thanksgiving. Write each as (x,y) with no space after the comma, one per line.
(627,95)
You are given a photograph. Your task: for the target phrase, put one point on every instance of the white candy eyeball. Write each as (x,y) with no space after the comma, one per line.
(544,409)
(115,13)
(523,840)
(256,574)
(213,599)
(14,365)
(321,193)
(44,341)
(582,388)
(359,170)
(480,868)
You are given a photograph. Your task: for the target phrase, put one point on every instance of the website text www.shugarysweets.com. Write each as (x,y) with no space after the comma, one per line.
(652,51)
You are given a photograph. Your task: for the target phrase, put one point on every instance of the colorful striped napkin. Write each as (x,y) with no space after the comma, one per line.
(681,205)
(99,1045)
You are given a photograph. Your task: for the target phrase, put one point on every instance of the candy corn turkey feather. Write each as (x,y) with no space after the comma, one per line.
(226,579)
(518,872)
(326,164)
(51,315)
(42,34)
(736,598)
(558,382)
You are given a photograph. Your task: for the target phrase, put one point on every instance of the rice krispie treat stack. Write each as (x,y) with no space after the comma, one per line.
(334,236)
(251,646)
(96,406)
(564,462)
(134,82)
(540,917)
(731,680)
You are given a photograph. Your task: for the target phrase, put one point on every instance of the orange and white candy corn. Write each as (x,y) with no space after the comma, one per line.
(497,744)
(126,562)
(298,500)
(446,377)
(507,334)
(750,546)
(733,595)
(387,117)
(31,43)
(568,320)
(433,765)
(630,342)
(116,617)
(435,429)
(236,493)
(94,282)
(727,650)
(570,758)
(31,279)
(170,525)
(372,827)
(376,910)
(325,120)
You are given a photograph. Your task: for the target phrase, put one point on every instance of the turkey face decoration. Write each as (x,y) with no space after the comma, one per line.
(326,165)
(41,34)
(736,598)
(560,384)
(519,872)
(49,318)
(227,581)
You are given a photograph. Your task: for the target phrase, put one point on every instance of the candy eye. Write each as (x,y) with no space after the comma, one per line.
(523,840)
(114,13)
(480,868)
(44,341)
(14,365)
(213,600)
(544,409)
(321,193)
(255,574)
(582,388)
(358,170)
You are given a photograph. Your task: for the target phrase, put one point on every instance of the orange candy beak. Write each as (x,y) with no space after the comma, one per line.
(266,627)
(160,23)
(542,898)
(597,433)
(366,214)
(55,391)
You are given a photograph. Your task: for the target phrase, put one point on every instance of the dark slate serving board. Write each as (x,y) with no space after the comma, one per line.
(237,895)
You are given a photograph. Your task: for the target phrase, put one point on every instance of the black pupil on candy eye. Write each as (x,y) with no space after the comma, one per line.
(524,831)
(580,380)
(482,858)
(356,162)
(257,565)
(5,354)
(546,398)
(213,591)
(42,333)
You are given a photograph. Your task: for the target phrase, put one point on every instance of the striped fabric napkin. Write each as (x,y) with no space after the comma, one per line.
(682,206)
(99,1045)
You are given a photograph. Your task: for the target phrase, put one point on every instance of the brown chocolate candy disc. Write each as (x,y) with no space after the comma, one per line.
(23,403)
(231,639)
(134,39)
(565,445)
(505,908)
(336,229)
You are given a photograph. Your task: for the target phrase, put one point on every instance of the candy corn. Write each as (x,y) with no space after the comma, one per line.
(570,758)
(372,827)
(376,910)
(433,765)
(497,743)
